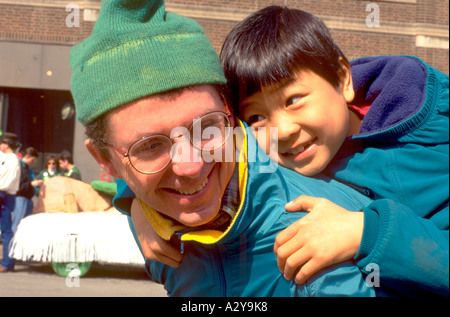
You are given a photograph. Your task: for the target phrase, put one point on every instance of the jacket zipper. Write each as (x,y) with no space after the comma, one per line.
(179,234)
(217,259)
(220,271)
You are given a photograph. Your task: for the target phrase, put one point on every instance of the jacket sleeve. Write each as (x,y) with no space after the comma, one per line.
(10,175)
(406,227)
(340,280)
(122,202)
(412,253)
(148,263)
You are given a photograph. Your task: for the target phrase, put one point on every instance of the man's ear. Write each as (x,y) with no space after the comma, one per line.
(229,109)
(101,159)
(345,76)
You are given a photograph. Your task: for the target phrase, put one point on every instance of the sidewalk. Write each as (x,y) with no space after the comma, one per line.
(39,280)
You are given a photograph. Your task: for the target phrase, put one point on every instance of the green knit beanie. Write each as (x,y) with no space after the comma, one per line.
(138,49)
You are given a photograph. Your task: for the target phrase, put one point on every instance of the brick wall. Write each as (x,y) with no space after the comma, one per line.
(39,24)
(401,22)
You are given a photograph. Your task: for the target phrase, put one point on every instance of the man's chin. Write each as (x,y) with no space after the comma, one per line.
(197,219)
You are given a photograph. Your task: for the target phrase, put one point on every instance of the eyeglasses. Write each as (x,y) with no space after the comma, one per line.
(152,154)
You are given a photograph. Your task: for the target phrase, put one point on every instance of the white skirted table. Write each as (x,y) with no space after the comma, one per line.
(74,240)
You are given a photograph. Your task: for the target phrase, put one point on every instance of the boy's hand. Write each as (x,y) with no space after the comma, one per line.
(327,235)
(153,246)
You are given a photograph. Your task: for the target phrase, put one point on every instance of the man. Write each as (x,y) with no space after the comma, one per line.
(23,206)
(66,163)
(148,86)
(9,185)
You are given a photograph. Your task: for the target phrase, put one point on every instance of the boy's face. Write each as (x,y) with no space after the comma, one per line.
(311,115)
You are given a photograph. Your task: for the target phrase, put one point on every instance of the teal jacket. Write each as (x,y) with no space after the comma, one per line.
(241,261)
(400,158)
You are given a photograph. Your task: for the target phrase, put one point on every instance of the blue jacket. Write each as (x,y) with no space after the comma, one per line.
(400,158)
(240,261)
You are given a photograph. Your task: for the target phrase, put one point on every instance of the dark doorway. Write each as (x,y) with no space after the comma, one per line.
(43,119)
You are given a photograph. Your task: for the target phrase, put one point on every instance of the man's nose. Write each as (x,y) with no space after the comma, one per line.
(187,161)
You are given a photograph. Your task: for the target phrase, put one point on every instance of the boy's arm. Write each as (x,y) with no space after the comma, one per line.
(411,253)
(153,246)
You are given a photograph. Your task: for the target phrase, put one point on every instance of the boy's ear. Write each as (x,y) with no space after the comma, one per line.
(345,75)
(101,159)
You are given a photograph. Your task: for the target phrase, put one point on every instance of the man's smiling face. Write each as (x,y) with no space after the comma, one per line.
(189,191)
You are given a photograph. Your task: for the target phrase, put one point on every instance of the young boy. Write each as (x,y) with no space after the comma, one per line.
(378,124)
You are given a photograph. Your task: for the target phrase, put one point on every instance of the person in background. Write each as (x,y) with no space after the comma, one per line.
(24,205)
(9,185)
(66,163)
(51,170)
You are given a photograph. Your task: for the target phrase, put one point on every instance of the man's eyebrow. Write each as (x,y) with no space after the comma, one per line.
(167,130)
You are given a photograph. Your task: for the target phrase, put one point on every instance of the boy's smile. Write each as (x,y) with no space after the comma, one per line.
(311,115)
(301,152)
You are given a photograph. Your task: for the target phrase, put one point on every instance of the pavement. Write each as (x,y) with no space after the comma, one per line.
(32,279)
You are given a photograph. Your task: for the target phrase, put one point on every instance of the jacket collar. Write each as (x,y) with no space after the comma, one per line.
(395,89)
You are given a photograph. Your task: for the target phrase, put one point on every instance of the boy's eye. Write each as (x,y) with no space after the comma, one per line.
(254,119)
(293,100)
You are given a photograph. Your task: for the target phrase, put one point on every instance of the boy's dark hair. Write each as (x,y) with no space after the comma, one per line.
(273,44)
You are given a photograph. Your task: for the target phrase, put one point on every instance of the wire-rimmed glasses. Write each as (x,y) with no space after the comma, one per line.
(153,153)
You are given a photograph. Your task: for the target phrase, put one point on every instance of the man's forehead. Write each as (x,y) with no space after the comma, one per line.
(160,114)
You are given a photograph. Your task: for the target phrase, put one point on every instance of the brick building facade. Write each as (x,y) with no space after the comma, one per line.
(415,27)
(36,36)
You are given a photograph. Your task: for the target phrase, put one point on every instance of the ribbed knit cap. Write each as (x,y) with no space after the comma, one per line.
(138,49)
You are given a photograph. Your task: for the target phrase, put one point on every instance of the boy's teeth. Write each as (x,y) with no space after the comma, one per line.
(296,151)
(194,190)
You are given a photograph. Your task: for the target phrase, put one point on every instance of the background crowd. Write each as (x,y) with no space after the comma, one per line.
(19,185)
